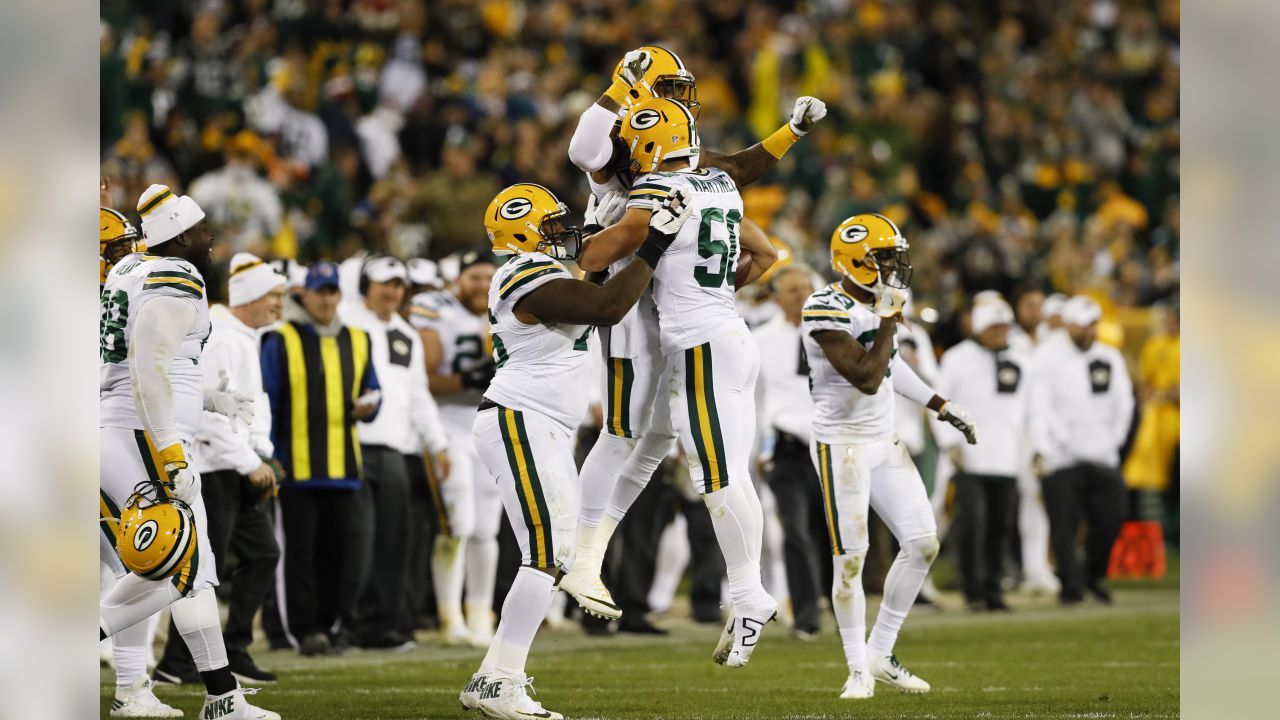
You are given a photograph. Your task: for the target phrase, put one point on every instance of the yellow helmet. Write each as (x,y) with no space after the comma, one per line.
(528,218)
(869,249)
(117,237)
(659,129)
(665,78)
(156,534)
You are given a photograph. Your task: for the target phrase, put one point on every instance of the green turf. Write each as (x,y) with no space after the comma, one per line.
(1040,661)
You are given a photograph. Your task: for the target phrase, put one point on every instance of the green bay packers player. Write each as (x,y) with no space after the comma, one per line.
(848,331)
(454,324)
(630,446)
(154,323)
(117,237)
(540,320)
(711,358)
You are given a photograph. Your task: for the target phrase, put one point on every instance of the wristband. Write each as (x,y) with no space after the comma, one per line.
(173,455)
(654,245)
(780,141)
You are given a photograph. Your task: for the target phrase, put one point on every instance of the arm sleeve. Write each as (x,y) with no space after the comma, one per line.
(1122,386)
(162,324)
(425,413)
(236,448)
(907,383)
(591,147)
(945,434)
(371,381)
(1040,409)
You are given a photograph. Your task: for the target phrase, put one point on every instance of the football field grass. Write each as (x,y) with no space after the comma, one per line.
(1040,661)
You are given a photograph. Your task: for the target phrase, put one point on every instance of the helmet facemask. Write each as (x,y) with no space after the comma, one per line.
(892,265)
(681,89)
(560,241)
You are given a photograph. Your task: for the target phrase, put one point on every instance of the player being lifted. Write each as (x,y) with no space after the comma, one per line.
(540,318)
(854,368)
(155,320)
(454,329)
(636,434)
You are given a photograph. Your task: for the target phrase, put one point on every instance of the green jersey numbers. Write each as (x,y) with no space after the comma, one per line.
(113,317)
(581,343)
(718,247)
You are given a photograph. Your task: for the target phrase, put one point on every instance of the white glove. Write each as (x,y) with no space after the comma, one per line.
(605,211)
(671,214)
(890,301)
(808,110)
(950,412)
(237,407)
(183,483)
(634,65)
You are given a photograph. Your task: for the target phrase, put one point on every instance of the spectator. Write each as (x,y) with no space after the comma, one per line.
(312,355)
(453,197)
(236,471)
(243,208)
(1081,408)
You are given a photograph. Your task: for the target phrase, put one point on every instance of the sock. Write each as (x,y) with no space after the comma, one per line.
(522,614)
(481,570)
(218,682)
(197,620)
(738,535)
(129,653)
(639,468)
(447,565)
(849,603)
(132,600)
(901,586)
(600,474)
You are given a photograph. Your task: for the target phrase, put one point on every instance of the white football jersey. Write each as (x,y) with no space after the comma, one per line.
(841,413)
(636,335)
(134,281)
(693,285)
(464,339)
(542,368)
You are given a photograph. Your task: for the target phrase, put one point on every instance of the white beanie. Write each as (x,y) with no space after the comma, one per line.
(988,313)
(251,278)
(1081,310)
(165,216)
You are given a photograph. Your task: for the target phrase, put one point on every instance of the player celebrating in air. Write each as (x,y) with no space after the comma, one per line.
(540,318)
(636,435)
(454,328)
(854,368)
(155,320)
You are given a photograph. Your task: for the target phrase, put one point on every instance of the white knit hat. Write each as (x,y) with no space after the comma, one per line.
(165,216)
(251,278)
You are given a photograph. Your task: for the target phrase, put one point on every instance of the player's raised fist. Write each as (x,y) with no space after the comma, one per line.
(634,65)
(807,111)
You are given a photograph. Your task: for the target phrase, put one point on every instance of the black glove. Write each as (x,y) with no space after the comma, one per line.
(480,377)
(664,225)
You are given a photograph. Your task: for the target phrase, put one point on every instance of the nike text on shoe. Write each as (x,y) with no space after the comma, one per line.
(859,686)
(749,622)
(591,594)
(470,697)
(233,706)
(889,671)
(138,701)
(507,698)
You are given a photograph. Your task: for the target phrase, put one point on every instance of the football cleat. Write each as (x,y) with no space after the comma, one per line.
(507,698)
(859,686)
(470,697)
(889,671)
(233,706)
(749,621)
(138,701)
(726,642)
(591,594)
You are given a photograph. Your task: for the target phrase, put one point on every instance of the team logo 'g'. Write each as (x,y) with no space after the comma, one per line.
(146,535)
(515,208)
(645,119)
(854,234)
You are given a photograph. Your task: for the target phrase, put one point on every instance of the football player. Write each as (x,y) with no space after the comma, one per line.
(628,446)
(540,319)
(117,237)
(703,344)
(454,328)
(155,320)
(848,331)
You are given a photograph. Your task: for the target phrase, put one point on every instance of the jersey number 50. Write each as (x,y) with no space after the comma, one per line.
(717,238)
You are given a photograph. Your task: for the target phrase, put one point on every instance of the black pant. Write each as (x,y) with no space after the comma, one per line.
(631,576)
(984,519)
(237,521)
(384,521)
(1097,493)
(799,494)
(706,563)
(315,526)
(421,531)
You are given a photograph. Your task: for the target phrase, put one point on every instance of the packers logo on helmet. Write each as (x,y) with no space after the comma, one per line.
(666,77)
(658,130)
(529,218)
(117,237)
(869,249)
(156,534)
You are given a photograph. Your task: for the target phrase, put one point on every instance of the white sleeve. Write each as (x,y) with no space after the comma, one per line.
(907,383)
(943,432)
(591,147)
(162,324)
(926,361)
(1122,389)
(1040,408)
(425,413)
(235,448)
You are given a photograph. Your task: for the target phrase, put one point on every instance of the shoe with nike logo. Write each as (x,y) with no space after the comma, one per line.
(889,671)
(507,698)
